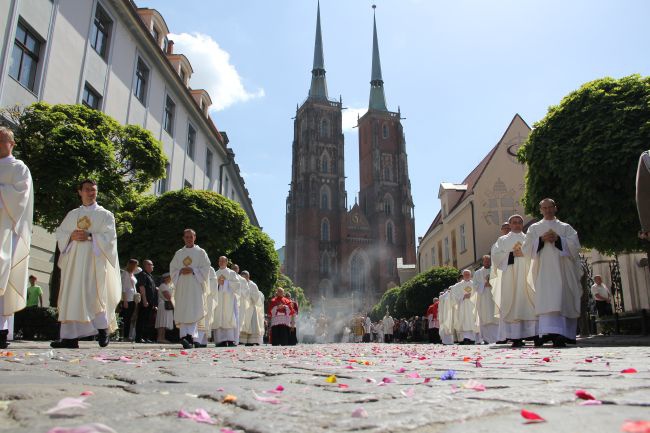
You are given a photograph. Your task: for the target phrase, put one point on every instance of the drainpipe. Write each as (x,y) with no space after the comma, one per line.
(471,203)
(229,157)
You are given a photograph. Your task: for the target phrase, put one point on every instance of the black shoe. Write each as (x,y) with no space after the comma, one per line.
(187,342)
(65,343)
(199,345)
(517,343)
(559,341)
(102,337)
(3,338)
(140,341)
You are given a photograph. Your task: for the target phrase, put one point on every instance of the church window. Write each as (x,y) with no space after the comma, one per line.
(446,250)
(325,264)
(385,131)
(358,274)
(325,230)
(324,198)
(324,128)
(323,165)
(461,231)
(389,232)
(388,204)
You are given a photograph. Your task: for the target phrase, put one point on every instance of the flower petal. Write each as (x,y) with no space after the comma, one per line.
(359,412)
(86,428)
(636,427)
(584,395)
(531,417)
(70,405)
(629,370)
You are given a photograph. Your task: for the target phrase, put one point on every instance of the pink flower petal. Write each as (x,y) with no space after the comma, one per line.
(359,413)
(413,375)
(370,380)
(70,405)
(87,393)
(86,428)
(388,380)
(400,370)
(427,380)
(343,386)
(531,417)
(590,403)
(475,385)
(408,393)
(636,427)
(270,400)
(199,415)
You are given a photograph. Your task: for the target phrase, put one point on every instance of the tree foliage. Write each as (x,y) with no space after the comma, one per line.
(257,255)
(158,225)
(414,296)
(584,154)
(297,293)
(64,144)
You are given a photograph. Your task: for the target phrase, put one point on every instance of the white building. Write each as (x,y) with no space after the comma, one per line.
(115,57)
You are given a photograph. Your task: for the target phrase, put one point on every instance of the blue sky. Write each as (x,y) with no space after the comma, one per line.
(459,70)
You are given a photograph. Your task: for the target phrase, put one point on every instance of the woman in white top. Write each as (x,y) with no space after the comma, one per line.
(128,292)
(165,317)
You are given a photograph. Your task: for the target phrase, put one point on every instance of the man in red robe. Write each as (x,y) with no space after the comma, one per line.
(434,323)
(293,335)
(281,312)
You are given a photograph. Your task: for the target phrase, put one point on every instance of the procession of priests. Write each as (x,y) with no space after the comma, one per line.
(527,289)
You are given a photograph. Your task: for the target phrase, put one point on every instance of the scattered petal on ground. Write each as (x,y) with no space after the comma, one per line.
(636,427)
(629,370)
(590,403)
(86,428)
(359,413)
(448,375)
(409,392)
(270,400)
(69,406)
(199,415)
(584,395)
(531,417)
(474,384)
(331,379)
(229,399)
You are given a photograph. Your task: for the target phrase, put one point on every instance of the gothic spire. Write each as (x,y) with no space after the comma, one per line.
(318,89)
(377,97)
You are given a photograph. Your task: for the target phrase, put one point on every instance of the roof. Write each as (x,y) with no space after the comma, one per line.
(471,180)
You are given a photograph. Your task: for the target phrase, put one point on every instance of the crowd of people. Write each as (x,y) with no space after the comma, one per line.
(527,289)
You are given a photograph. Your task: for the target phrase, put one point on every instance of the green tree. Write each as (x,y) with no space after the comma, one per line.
(584,154)
(64,144)
(297,293)
(257,255)
(386,303)
(158,225)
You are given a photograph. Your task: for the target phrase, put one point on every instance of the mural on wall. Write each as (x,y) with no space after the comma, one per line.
(499,203)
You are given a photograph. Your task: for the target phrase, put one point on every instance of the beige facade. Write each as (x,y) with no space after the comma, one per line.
(472,211)
(116,58)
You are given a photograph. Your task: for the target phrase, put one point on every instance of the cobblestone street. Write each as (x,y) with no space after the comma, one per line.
(318,388)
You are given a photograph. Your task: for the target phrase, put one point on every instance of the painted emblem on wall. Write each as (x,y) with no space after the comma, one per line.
(499,203)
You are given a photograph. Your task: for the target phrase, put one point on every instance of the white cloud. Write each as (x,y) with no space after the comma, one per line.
(213,70)
(350,116)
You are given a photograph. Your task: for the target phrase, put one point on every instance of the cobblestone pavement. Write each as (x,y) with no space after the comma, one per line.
(319,388)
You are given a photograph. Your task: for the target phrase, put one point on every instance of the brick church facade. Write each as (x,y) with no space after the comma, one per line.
(334,251)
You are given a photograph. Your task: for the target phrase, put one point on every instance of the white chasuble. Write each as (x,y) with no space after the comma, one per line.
(16,214)
(484,298)
(191,289)
(90,273)
(253,321)
(244,302)
(555,269)
(467,320)
(513,295)
(226,314)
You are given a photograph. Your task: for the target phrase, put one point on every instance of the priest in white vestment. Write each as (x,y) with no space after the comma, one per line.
(226,323)
(16,214)
(240,291)
(464,296)
(387,324)
(190,271)
(487,319)
(91,284)
(204,327)
(555,275)
(513,295)
(252,329)
(446,317)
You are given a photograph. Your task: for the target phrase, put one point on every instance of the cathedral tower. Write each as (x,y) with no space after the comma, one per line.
(385,189)
(317,198)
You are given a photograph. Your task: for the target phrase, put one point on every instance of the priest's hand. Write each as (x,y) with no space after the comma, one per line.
(550,236)
(518,252)
(79,235)
(186,271)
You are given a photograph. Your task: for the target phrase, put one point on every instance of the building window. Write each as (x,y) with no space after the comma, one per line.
(163,184)
(24,59)
(461,231)
(187,185)
(385,130)
(155,34)
(433,256)
(191,142)
(325,230)
(91,98)
(232,194)
(165,44)
(324,198)
(208,164)
(168,116)
(324,128)
(446,250)
(225,190)
(390,267)
(141,79)
(325,264)
(100,32)
(183,76)
(388,205)
(389,232)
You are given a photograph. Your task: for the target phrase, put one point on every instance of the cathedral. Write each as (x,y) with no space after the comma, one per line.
(335,251)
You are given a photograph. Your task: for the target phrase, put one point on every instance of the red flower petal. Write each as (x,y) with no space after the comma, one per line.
(584,395)
(547,359)
(629,370)
(531,416)
(636,427)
